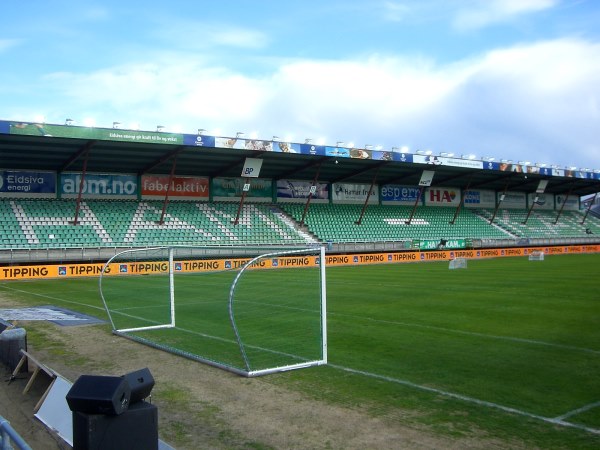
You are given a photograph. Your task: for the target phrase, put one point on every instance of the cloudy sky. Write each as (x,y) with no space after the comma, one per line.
(514,79)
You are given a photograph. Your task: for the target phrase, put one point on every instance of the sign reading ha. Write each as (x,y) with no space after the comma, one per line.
(17,182)
(99,185)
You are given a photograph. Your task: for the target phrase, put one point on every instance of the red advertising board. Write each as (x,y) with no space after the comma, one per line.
(182,187)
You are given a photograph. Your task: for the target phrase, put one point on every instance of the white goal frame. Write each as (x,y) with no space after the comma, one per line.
(171,291)
(248,372)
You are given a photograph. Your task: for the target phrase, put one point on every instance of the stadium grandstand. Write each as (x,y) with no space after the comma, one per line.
(70,193)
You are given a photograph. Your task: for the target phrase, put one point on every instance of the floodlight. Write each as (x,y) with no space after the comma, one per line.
(69,122)
(339,143)
(201,131)
(308,141)
(379,147)
(275,138)
(350,144)
(160,128)
(404,149)
(368,147)
(321,141)
(116,125)
(240,134)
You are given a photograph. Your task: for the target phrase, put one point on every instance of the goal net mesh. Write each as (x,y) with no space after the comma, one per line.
(251,311)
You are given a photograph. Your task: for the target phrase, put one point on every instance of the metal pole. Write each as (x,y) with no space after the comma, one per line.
(310,194)
(498,204)
(244,192)
(362,213)
(589,207)
(166,202)
(415,206)
(81,184)
(462,201)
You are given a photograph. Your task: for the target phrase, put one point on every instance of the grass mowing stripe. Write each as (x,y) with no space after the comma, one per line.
(556,421)
(470,333)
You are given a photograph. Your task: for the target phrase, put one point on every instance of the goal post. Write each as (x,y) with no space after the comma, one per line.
(457,263)
(252,311)
(536,255)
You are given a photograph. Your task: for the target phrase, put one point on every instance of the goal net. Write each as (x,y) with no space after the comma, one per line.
(458,263)
(536,256)
(251,311)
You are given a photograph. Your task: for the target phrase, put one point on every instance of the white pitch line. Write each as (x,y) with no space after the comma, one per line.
(465,398)
(578,410)
(473,333)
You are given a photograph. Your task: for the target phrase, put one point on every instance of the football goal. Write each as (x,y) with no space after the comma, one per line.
(536,255)
(251,311)
(457,263)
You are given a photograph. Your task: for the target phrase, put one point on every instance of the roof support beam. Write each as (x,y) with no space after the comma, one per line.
(82,151)
(461,203)
(87,148)
(166,202)
(364,208)
(563,204)
(313,189)
(173,153)
(589,207)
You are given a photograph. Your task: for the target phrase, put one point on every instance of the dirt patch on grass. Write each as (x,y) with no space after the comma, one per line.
(204,407)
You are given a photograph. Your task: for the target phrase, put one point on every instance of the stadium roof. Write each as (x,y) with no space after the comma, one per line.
(74,154)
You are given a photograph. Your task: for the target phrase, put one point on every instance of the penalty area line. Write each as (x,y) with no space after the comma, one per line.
(465,398)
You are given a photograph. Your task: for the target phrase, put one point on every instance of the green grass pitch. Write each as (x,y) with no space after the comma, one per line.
(507,346)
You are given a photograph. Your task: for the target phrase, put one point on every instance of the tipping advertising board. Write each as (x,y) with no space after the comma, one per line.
(191,266)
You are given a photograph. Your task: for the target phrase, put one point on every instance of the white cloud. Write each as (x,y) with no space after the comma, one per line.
(538,101)
(482,13)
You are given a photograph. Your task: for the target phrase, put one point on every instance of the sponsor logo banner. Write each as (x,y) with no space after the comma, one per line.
(21,182)
(344,192)
(184,266)
(105,134)
(99,184)
(513,200)
(234,187)
(198,140)
(444,161)
(183,187)
(480,198)
(544,201)
(571,202)
(301,189)
(403,157)
(441,196)
(398,193)
(251,167)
